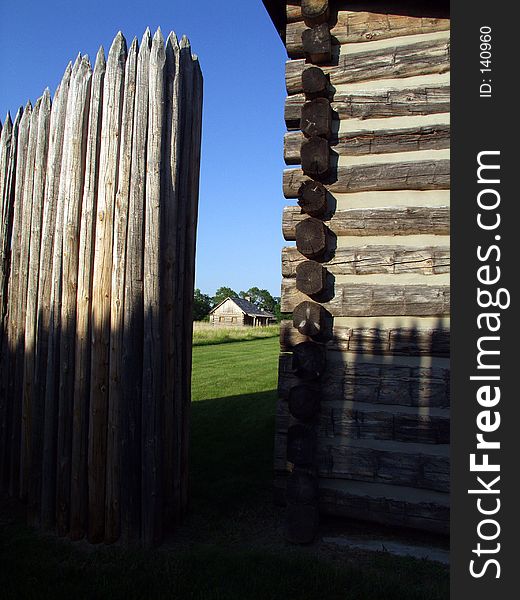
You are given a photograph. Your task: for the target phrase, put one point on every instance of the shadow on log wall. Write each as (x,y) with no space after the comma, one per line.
(381,451)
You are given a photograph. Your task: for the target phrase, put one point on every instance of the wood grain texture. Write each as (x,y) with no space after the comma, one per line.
(101,286)
(80,94)
(12,465)
(377,221)
(7,233)
(405,341)
(172,250)
(407,60)
(79,490)
(356,379)
(49,312)
(21,400)
(412,175)
(133,310)
(193,187)
(6,144)
(375,259)
(40,165)
(425,99)
(386,504)
(315,11)
(362,26)
(115,387)
(422,466)
(365,300)
(151,511)
(357,143)
(351,420)
(317,45)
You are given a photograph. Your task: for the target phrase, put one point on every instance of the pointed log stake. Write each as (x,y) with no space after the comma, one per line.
(317,44)
(311,238)
(54,417)
(151,415)
(79,493)
(315,83)
(309,360)
(302,488)
(310,319)
(193,186)
(40,165)
(177,79)
(12,309)
(312,198)
(22,300)
(115,396)
(80,94)
(133,310)
(6,145)
(304,402)
(101,285)
(316,118)
(315,12)
(315,157)
(5,362)
(50,298)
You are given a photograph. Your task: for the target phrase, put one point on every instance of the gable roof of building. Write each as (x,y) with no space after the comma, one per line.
(248,308)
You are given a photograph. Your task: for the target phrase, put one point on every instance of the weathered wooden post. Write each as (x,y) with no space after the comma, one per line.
(99,202)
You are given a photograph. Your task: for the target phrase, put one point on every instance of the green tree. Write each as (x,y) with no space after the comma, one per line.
(262,299)
(222,293)
(201,305)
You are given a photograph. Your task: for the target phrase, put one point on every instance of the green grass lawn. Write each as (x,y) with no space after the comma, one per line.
(205,333)
(231,544)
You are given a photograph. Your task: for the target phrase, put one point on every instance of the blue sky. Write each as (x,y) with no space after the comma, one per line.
(242,59)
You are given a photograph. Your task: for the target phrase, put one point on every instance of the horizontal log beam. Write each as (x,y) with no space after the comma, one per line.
(382,141)
(419,58)
(414,465)
(361,421)
(364,300)
(386,504)
(434,220)
(368,260)
(372,104)
(353,27)
(413,175)
(388,384)
(402,341)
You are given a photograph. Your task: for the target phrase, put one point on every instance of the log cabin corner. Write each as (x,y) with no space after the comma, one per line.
(362,426)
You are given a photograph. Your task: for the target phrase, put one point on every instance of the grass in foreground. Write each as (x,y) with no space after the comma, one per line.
(231,545)
(206,334)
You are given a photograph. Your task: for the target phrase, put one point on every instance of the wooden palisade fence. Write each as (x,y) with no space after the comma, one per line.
(99,196)
(363,417)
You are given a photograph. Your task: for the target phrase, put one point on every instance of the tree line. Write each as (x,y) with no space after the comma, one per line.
(203,303)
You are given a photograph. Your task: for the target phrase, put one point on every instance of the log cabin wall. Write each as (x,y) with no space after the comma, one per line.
(362,425)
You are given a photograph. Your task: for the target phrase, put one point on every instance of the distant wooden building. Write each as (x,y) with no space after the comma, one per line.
(240,313)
